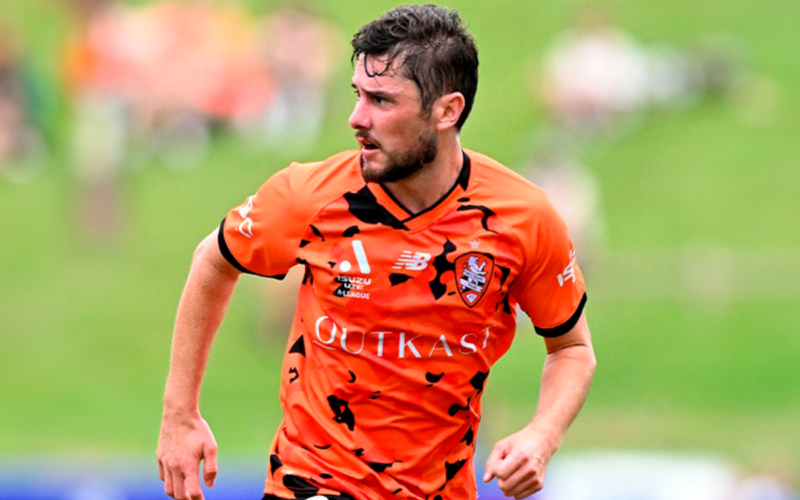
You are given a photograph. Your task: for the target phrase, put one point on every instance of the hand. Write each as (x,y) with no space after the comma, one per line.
(519,463)
(185,441)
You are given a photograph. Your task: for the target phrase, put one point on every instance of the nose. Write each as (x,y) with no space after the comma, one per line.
(359,118)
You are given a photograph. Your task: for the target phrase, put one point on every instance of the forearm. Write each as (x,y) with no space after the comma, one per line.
(566,378)
(202,307)
(520,461)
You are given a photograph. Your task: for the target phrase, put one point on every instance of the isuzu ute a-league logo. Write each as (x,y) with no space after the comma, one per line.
(354,287)
(473,276)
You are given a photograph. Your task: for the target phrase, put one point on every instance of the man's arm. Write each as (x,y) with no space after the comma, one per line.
(520,461)
(185,438)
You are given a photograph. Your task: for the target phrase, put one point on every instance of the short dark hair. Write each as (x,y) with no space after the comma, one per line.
(439,55)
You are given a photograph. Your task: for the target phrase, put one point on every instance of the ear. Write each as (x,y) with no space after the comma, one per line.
(447,110)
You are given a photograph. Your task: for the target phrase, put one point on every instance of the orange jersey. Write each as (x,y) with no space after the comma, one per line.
(399,320)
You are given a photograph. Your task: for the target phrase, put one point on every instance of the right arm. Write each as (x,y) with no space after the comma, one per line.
(185,438)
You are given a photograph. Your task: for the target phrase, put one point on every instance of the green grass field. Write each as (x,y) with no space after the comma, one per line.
(695,313)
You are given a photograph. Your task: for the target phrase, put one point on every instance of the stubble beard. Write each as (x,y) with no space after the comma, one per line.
(404,164)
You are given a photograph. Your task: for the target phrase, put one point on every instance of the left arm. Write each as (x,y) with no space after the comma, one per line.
(520,461)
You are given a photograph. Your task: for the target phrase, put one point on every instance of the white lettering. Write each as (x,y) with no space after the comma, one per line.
(355,295)
(359,281)
(469,345)
(361,257)
(329,335)
(344,342)
(247,207)
(474,277)
(380,341)
(445,345)
(409,344)
(333,331)
(246,227)
(569,272)
(352,286)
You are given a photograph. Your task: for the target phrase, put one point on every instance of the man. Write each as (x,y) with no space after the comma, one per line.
(416,256)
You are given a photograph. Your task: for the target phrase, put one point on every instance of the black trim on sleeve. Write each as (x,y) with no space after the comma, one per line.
(566,326)
(226,252)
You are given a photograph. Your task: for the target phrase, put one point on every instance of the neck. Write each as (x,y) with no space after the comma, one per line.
(430,184)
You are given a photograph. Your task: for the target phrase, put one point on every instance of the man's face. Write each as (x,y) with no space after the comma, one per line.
(397,139)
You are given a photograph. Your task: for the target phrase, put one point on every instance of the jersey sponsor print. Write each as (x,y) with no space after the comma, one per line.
(400,319)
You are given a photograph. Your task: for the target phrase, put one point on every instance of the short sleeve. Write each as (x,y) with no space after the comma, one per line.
(262,235)
(550,289)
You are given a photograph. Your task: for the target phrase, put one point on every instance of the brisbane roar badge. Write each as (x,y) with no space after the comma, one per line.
(473,275)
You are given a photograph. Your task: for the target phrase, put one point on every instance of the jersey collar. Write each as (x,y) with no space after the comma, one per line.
(417,221)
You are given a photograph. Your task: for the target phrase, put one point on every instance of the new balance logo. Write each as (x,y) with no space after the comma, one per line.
(412,262)
(569,271)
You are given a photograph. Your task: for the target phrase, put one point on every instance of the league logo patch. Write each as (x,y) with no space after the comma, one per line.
(473,276)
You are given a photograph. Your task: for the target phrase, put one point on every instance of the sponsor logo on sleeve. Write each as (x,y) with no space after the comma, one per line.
(246,226)
(569,272)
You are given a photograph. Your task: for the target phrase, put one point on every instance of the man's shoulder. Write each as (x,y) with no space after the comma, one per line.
(319,182)
(338,172)
(501,186)
(305,188)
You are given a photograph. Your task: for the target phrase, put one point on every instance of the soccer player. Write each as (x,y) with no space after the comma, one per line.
(416,254)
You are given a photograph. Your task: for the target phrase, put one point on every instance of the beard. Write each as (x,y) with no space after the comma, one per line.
(402,165)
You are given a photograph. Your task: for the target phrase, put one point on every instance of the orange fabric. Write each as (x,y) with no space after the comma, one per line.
(399,319)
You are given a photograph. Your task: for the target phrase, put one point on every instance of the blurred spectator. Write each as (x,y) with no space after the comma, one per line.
(199,68)
(594,74)
(720,63)
(596,77)
(301,50)
(95,74)
(152,82)
(155,80)
(22,148)
(575,194)
(673,77)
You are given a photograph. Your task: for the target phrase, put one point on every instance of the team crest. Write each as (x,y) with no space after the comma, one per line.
(473,276)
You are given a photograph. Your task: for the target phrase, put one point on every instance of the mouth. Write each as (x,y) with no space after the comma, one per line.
(367,144)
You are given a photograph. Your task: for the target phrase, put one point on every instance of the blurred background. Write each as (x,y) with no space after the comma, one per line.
(666,134)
